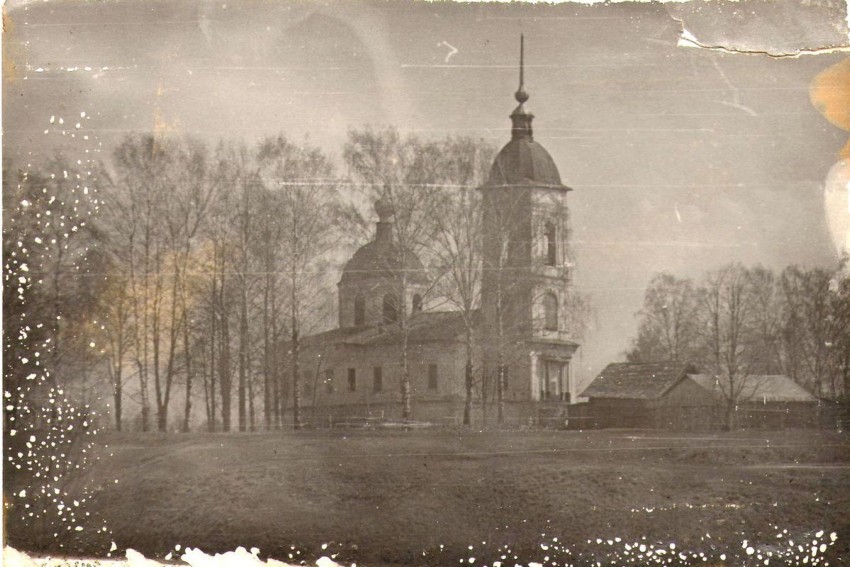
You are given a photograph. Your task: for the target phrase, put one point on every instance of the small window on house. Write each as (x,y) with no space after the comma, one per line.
(359,310)
(390,313)
(432,377)
(417,303)
(550,312)
(378,379)
(549,238)
(352,380)
(329,381)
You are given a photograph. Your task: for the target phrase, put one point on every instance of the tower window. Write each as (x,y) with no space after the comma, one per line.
(378,379)
(417,303)
(551,244)
(352,380)
(550,312)
(359,310)
(390,313)
(432,376)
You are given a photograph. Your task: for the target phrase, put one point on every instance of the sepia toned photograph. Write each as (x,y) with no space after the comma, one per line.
(406,283)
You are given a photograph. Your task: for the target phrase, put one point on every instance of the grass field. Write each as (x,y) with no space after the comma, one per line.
(439,497)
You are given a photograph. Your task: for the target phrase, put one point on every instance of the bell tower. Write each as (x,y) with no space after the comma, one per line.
(525,295)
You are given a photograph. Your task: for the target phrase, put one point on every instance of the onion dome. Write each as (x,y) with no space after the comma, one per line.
(383,258)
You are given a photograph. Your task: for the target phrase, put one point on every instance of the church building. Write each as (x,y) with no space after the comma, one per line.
(521,333)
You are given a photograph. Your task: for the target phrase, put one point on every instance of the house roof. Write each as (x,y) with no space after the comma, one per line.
(423,327)
(640,381)
(758,388)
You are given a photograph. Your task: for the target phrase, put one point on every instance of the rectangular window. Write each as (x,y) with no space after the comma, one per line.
(329,381)
(432,376)
(352,380)
(377,379)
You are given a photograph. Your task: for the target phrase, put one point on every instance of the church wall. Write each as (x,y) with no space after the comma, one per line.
(316,362)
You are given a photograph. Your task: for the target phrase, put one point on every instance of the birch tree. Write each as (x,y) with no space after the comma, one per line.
(300,181)
(668,329)
(457,242)
(728,321)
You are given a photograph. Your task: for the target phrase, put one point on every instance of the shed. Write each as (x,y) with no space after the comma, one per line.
(672,395)
(628,395)
(764,401)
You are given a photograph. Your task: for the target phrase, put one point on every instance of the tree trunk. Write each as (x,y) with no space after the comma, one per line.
(143,390)
(406,409)
(731,424)
(243,363)
(296,381)
(500,394)
(162,418)
(187,409)
(267,394)
(117,395)
(224,364)
(213,319)
(251,415)
(467,406)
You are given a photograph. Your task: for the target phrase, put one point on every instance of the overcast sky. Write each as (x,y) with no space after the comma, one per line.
(681,159)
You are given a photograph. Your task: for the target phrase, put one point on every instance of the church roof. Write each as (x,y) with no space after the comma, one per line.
(524,162)
(642,381)
(434,326)
(423,328)
(382,259)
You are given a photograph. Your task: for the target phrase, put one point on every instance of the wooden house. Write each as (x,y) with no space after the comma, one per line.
(672,395)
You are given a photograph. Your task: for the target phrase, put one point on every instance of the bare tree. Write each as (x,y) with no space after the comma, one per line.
(668,327)
(301,182)
(163,194)
(404,172)
(114,318)
(766,319)
(457,242)
(727,308)
(814,327)
(840,293)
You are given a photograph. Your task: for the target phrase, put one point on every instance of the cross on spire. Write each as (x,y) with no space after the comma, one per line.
(521,95)
(520,118)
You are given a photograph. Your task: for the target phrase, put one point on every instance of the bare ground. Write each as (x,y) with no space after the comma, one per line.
(439,497)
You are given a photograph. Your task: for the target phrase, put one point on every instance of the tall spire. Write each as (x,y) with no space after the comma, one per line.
(521,95)
(520,118)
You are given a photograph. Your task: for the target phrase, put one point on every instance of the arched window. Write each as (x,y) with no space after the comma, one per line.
(550,312)
(551,242)
(359,310)
(390,312)
(417,303)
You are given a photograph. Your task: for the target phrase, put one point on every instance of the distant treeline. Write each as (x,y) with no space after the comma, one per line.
(736,321)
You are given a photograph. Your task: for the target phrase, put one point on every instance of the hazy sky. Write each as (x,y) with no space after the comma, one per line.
(681,159)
